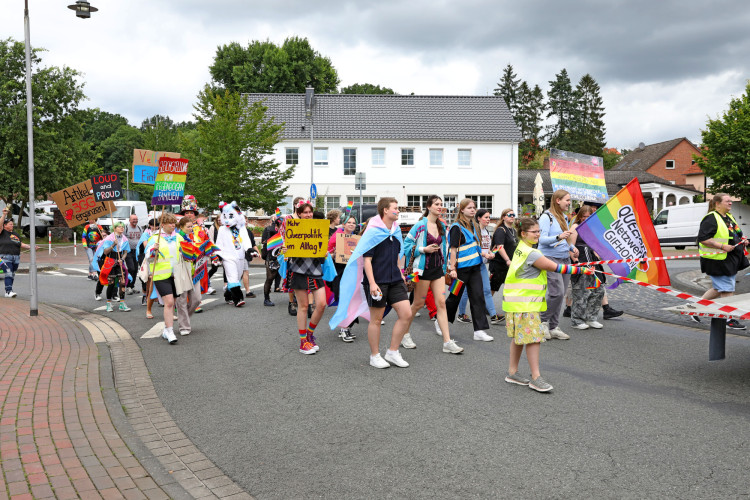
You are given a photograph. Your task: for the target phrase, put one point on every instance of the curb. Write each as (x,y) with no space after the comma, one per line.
(39,269)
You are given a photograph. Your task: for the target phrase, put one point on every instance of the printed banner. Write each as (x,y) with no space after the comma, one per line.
(78,205)
(345,244)
(169,188)
(580,175)
(622,229)
(306,237)
(146,165)
(107,187)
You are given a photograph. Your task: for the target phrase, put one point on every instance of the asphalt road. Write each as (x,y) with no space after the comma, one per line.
(637,410)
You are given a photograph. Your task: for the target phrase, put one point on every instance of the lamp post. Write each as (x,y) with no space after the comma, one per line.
(309,104)
(127,189)
(83,10)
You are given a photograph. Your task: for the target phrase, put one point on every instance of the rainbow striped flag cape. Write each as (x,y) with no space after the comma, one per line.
(456,287)
(622,229)
(274,242)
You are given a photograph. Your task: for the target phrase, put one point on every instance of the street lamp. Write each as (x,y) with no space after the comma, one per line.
(127,176)
(83,10)
(309,105)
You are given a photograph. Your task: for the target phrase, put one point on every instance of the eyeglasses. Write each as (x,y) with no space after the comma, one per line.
(510,215)
(533,232)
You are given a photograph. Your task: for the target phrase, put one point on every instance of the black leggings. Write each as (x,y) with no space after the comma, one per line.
(472,278)
(271,276)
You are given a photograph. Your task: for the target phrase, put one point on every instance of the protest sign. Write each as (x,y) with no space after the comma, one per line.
(306,237)
(107,187)
(580,175)
(169,188)
(345,244)
(77,204)
(146,164)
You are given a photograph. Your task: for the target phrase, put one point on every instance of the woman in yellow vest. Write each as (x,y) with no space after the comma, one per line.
(524,298)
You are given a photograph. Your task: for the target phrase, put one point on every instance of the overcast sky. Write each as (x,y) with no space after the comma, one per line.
(664,66)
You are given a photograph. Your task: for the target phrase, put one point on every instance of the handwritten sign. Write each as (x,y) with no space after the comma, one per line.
(78,204)
(345,244)
(169,188)
(107,187)
(146,165)
(306,237)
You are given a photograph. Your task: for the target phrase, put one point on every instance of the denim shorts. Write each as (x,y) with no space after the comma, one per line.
(723,283)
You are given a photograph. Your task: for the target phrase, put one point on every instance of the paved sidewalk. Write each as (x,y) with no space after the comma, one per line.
(57,436)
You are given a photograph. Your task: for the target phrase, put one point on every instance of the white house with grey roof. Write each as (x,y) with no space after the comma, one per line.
(409,147)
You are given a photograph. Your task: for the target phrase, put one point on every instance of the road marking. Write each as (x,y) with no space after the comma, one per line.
(54,273)
(154,332)
(102,308)
(76,270)
(207,301)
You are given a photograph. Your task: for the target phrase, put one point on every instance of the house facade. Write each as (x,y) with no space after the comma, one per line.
(408,147)
(671,160)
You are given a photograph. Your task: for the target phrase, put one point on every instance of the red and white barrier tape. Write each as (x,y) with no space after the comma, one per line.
(644,259)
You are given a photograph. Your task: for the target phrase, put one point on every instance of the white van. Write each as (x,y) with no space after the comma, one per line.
(124,209)
(677,226)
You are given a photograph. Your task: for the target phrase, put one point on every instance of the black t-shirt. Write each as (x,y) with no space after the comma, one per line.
(505,236)
(730,265)
(10,243)
(385,261)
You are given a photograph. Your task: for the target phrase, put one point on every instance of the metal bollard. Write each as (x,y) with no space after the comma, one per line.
(717,339)
(75,245)
(49,233)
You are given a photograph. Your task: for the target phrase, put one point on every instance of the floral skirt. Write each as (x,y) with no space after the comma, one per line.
(524,327)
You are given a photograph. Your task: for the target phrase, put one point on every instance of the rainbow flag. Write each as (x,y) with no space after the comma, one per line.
(456,287)
(2,266)
(413,277)
(274,242)
(622,229)
(581,175)
(189,251)
(349,206)
(278,212)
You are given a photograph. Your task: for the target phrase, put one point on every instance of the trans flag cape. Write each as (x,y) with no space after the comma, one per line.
(352,298)
(622,229)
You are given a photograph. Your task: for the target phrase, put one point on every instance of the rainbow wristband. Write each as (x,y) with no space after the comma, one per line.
(568,269)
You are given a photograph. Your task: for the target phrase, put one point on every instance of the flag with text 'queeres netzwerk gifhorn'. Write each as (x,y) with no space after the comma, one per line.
(622,229)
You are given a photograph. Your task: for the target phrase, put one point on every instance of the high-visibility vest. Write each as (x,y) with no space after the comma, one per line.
(163,269)
(468,253)
(521,294)
(721,236)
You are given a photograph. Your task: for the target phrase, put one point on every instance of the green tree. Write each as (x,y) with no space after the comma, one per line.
(611,157)
(530,109)
(588,118)
(726,146)
(265,67)
(561,105)
(508,87)
(366,88)
(230,152)
(60,151)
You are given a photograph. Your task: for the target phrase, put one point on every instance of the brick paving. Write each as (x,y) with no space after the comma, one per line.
(57,439)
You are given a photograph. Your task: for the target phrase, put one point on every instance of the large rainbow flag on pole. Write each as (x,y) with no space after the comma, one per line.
(622,229)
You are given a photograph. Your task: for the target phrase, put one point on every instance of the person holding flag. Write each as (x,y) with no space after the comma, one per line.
(271,242)
(114,272)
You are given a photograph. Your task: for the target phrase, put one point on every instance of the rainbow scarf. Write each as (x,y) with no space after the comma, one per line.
(274,242)
(189,251)
(622,229)
(456,287)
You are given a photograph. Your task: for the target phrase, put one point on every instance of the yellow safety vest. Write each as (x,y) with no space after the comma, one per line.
(163,268)
(524,295)
(722,236)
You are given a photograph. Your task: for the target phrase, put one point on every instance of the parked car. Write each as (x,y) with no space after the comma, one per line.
(677,226)
(43,220)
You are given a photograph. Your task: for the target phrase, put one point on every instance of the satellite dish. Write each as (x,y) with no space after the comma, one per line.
(641,146)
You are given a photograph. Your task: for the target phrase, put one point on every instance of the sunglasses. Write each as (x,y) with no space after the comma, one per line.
(510,215)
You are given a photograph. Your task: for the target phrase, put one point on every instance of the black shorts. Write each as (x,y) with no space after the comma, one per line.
(392,293)
(166,287)
(432,274)
(497,278)
(305,282)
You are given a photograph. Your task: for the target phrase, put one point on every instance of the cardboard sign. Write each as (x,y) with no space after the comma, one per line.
(107,187)
(146,165)
(306,237)
(345,245)
(78,205)
(169,188)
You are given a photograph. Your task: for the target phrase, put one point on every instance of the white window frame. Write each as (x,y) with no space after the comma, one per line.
(459,159)
(667,163)
(433,160)
(452,206)
(480,203)
(343,158)
(366,198)
(422,200)
(320,162)
(372,157)
(286,156)
(332,206)
(413,157)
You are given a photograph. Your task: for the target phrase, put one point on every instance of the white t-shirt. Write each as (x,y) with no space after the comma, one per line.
(133,234)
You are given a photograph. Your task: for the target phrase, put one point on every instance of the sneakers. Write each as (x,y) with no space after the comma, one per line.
(169,336)
(733,324)
(580,326)
(210,291)
(394,358)
(516,379)
(268,303)
(250,295)
(198,310)
(382,322)
(306,347)
(566,312)
(418,314)
(610,313)
(496,319)
(437,328)
(345,335)
(184,332)
(452,348)
(109,307)
(481,335)
(238,304)
(123,307)
(143,300)
(556,333)
(311,339)
(595,324)
(545,330)
(96,297)
(11,295)
(292,309)
(407,342)
(378,362)
(463,318)
(539,385)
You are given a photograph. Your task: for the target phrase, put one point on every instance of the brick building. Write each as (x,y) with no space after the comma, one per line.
(671,160)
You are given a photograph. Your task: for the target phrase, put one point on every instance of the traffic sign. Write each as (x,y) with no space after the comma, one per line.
(313,191)
(360,181)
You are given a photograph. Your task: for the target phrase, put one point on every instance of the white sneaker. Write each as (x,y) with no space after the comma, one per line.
(378,362)
(595,324)
(184,332)
(97,298)
(394,357)
(210,291)
(481,335)
(437,328)
(418,315)
(11,295)
(582,326)
(169,336)
(545,329)
(407,342)
(452,348)
(556,333)
(382,322)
